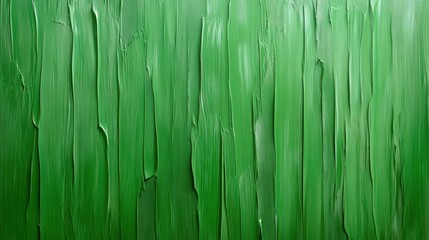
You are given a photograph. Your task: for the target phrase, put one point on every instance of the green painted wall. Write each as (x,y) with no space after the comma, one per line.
(214,119)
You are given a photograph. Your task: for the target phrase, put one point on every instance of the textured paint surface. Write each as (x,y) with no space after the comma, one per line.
(214,119)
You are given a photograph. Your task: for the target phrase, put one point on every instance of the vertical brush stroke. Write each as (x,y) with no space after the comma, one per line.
(243,72)
(312,165)
(18,154)
(108,108)
(89,139)
(288,121)
(263,115)
(56,125)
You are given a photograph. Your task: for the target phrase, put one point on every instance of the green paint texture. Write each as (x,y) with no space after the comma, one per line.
(214,119)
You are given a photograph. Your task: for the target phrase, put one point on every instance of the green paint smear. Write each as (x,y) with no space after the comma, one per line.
(239,119)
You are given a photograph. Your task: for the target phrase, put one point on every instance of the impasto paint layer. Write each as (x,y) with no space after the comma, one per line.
(214,119)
